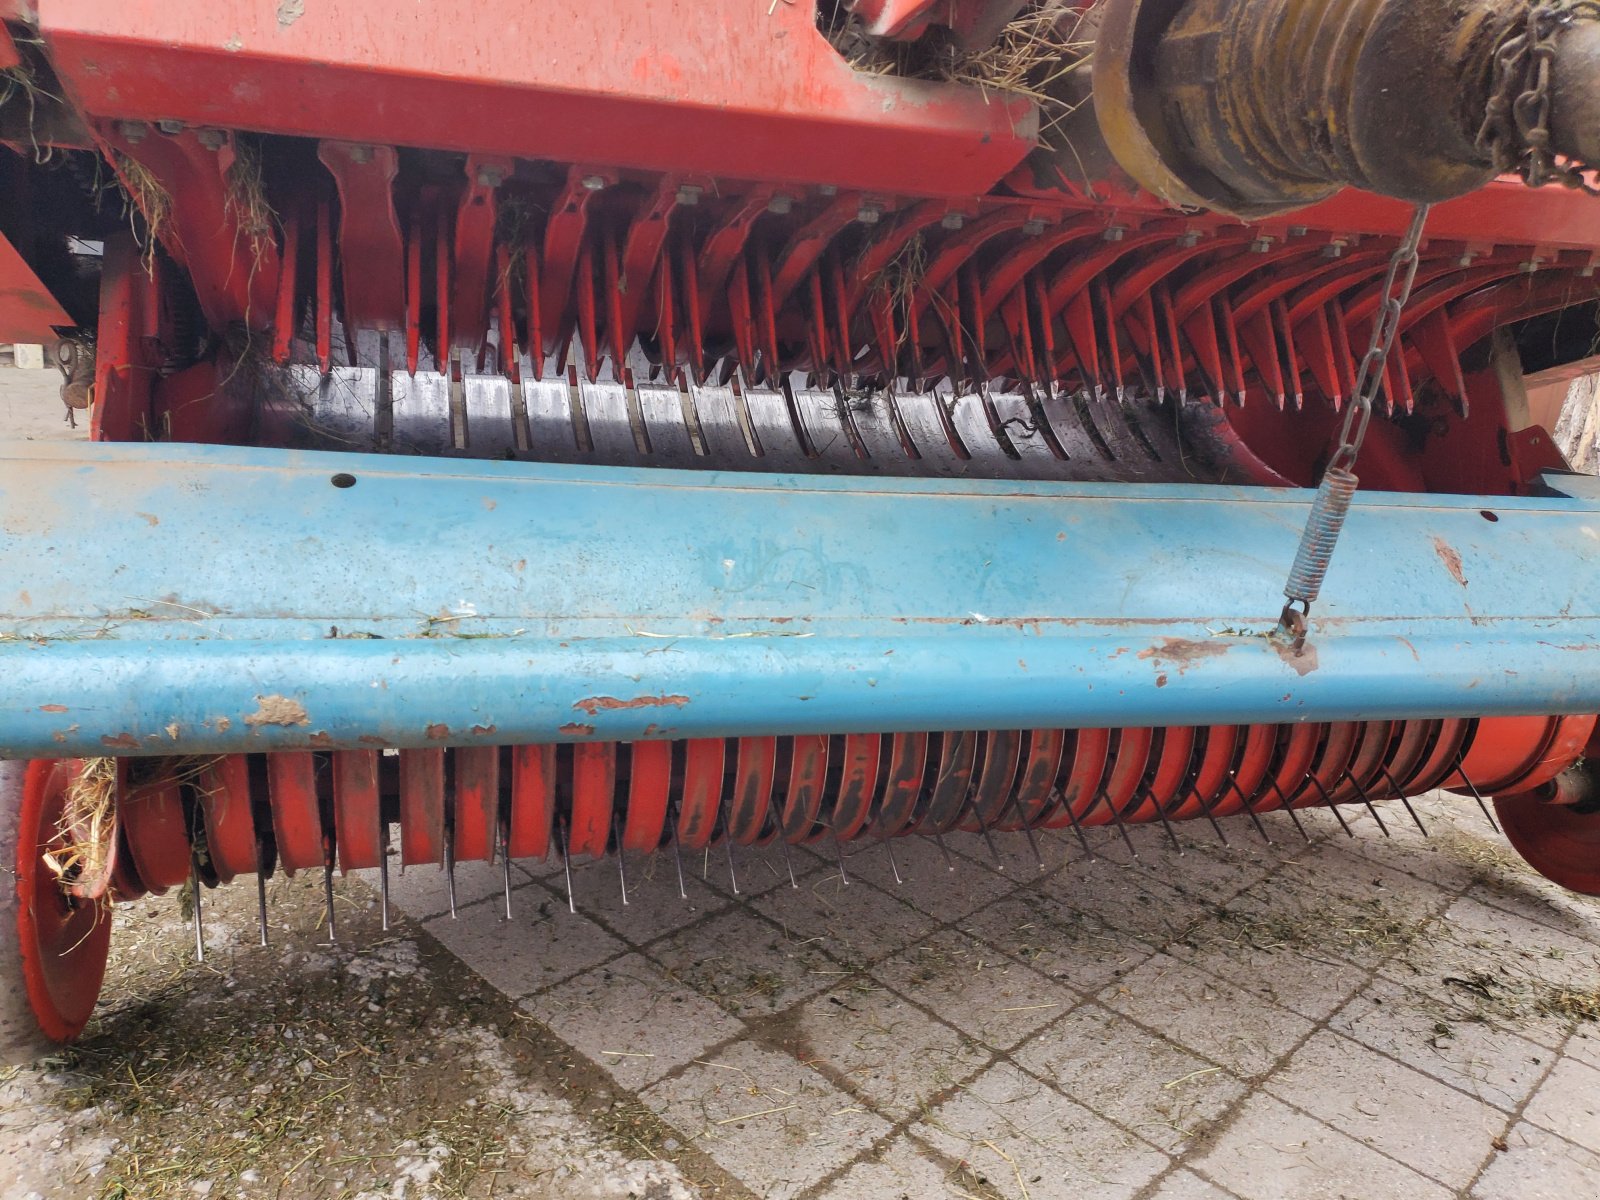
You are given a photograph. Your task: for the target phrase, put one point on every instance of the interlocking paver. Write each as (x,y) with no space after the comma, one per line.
(1568,1103)
(856,923)
(1538,1165)
(902,1171)
(750,968)
(541,944)
(1080,951)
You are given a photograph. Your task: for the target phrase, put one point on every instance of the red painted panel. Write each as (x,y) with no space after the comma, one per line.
(27,309)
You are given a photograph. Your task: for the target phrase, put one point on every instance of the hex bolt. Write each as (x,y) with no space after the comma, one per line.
(363,154)
(690,193)
(780,205)
(953,221)
(1033,228)
(170,127)
(133,131)
(1115,233)
(212,139)
(869,214)
(593,183)
(1189,240)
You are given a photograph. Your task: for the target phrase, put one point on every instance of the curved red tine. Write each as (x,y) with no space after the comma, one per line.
(594,785)
(1038,776)
(1162,787)
(1086,767)
(421,807)
(754,770)
(296,819)
(953,780)
(896,808)
(1440,761)
(858,784)
(154,830)
(702,791)
(1207,785)
(477,802)
(996,775)
(222,788)
(357,809)
(533,800)
(1130,756)
(808,775)
(649,786)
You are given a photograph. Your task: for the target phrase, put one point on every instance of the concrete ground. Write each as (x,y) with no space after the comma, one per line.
(1365,1017)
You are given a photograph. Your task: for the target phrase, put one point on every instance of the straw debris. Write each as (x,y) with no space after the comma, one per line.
(149,199)
(245,201)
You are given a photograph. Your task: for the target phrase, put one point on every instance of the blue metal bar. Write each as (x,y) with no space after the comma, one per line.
(177,599)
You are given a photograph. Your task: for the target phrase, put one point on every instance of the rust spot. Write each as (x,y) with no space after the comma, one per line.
(576,729)
(599,704)
(366,739)
(650,729)
(150,518)
(1303,662)
(123,741)
(1451,560)
(437,733)
(322,740)
(1185,652)
(483,730)
(1161,679)
(277,710)
(223,724)
(53,708)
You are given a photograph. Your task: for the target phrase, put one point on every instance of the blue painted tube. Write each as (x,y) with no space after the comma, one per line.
(161,599)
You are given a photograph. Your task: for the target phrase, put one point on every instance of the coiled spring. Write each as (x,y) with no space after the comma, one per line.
(1328,512)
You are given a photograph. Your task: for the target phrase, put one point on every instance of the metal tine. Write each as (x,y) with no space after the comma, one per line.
(1027,830)
(893,866)
(566,865)
(1367,800)
(199,921)
(1205,807)
(1165,824)
(450,865)
(999,863)
(327,895)
(383,871)
(949,863)
(622,866)
(727,847)
(788,861)
(1283,801)
(503,830)
(1117,817)
(677,853)
(1332,807)
(1415,820)
(261,904)
(1250,812)
(1083,841)
(838,847)
(1476,795)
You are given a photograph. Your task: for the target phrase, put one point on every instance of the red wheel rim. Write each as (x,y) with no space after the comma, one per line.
(477,802)
(63,942)
(223,789)
(649,785)
(533,800)
(1505,749)
(1559,843)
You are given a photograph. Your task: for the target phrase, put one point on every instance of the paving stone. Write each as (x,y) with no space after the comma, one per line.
(632,1019)
(1312,987)
(774,1123)
(1070,947)
(1272,1152)
(1585,1043)
(928,882)
(887,1050)
(903,1170)
(1444,1037)
(422,892)
(1568,1103)
(1390,1107)
(654,906)
(1207,871)
(1538,1165)
(1024,1139)
(855,923)
(739,960)
(1186,1185)
(1130,902)
(1128,1075)
(976,989)
(1231,1025)
(540,945)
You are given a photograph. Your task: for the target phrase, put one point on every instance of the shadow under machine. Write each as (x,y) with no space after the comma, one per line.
(616,428)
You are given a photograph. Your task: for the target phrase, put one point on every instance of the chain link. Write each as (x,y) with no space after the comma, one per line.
(1515,133)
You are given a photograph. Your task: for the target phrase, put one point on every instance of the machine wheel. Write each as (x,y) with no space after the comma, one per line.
(52,947)
(1556,828)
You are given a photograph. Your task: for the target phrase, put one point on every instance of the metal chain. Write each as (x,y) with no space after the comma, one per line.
(1331,505)
(1515,133)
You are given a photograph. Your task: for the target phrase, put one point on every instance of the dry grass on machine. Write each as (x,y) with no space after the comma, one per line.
(146,198)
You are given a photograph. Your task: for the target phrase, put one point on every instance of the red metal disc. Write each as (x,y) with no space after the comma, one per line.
(952,780)
(808,775)
(1334,754)
(1207,786)
(421,807)
(1294,757)
(1559,841)
(858,784)
(908,759)
(649,785)
(996,775)
(153,826)
(296,821)
(1407,748)
(357,809)
(223,791)
(702,791)
(594,786)
(477,802)
(1568,737)
(125,881)
(1038,776)
(1130,756)
(1440,761)
(1257,747)
(1504,749)
(753,771)
(63,942)
(1087,762)
(1366,763)
(533,800)
(1163,782)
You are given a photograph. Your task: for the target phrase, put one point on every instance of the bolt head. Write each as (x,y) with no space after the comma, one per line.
(689,193)
(170,127)
(1261,245)
(953,220)
(133,131)
(828,189)
(780,205)
(1033,228)
(1115,233)
(593,183)
(363,154)
(212,139)
(869,214)
(1189,239)
(493,177)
